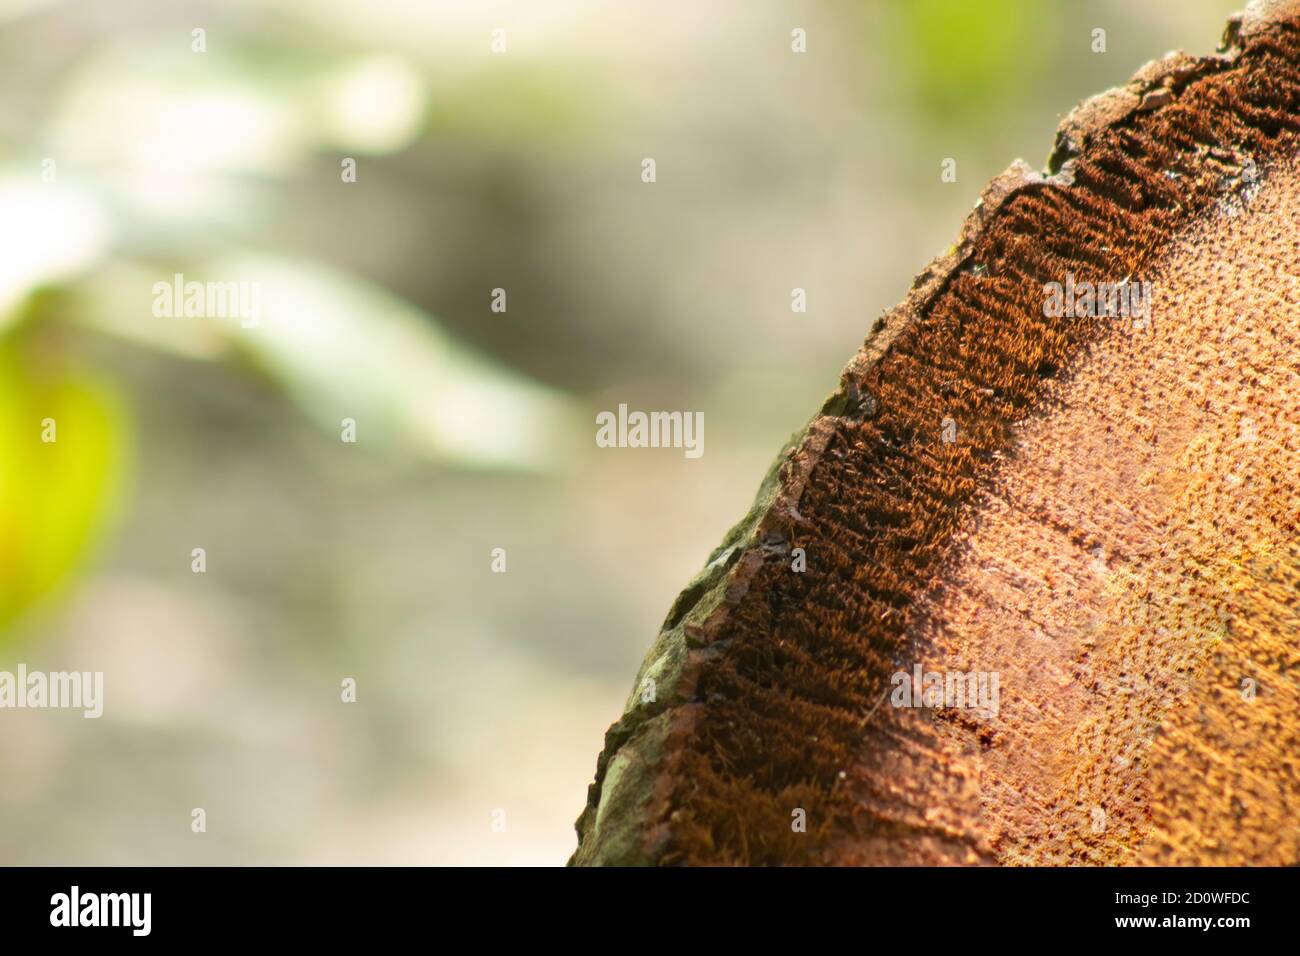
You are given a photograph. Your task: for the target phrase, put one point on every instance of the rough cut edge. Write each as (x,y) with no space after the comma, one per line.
(634,773)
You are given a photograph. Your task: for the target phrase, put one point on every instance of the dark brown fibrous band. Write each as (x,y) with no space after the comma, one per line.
(779,687)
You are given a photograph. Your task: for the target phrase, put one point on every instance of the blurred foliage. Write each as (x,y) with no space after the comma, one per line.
(166,162)
(54,493)
(958,52)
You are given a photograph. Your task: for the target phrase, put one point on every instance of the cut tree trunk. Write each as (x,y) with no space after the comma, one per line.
(1099,513)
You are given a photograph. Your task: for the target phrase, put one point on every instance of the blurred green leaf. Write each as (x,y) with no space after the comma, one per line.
(961,55)
(346,349)
(53,494)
